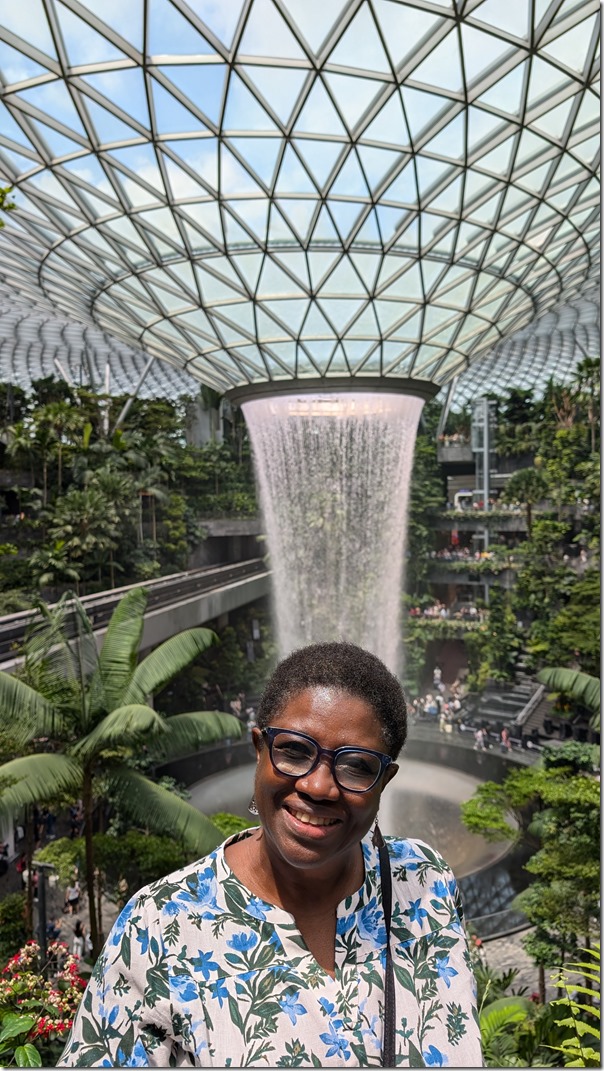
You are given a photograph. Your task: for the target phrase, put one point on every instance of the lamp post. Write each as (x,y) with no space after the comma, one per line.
(43,869)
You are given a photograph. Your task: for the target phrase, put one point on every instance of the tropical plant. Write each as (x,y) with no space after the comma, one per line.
(498,1022)
(581,984)
(526,487)
(581,687)
(92,708)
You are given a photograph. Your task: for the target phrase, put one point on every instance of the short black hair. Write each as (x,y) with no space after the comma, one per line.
(339,665)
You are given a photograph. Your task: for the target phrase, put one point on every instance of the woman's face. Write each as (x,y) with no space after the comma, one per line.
(338,819)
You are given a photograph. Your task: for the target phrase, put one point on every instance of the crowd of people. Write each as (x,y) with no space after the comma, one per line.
(467,611)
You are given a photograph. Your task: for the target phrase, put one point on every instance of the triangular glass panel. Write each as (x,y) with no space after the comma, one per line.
(235,234)
(365,324)
(511,18)
(267,34)
(221,19)
(248,266)
(388,314)
(403,28)
(10,129)
(162,221)
(29,23)
(450,198)
(481,125)
(553,121)
(421,108)
(356,351)
(360,45)
(319,264)
(430,224)
(234,179)
(429,174)
(572,47)
(63,108)
(367,265)
(296,264)
(137,195)
(442,67)
(315,18)
(305,368)
(280,87)
(182,184)
(324,230)
(432,271)
(279,230)
(338,363)
(299,213)
(319,157)
(260,154)
(459,295)
(171,117)
(545,79)
(253,212)
(345,215)
(125,86)
(401,364)
(207,216)
(242,316)
(290,312)
(107,126)
(534,180)
(390,266)
(369,231)
(408,286)
(101,208)
(487,211)
(184,277)
(243,111)
(274,281)
(352,95)
(343,280)
(403,189)
(498,159)
(410,329)
(514,226)
(318,116)
(480,51)
(377,163)
(531,147)
(231,334)
(450,141)
(58,144)
(506,94)
(389,124)
(315,324)
(435,317)
(200,155)
(202,83)
(266,327)
(589,111)
(492,309)
(170,34)
(339,311)
(321,351)
(292,177)
(389,220)
(586,150)
(350,181)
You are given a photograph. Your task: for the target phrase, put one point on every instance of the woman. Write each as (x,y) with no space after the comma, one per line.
(272,950)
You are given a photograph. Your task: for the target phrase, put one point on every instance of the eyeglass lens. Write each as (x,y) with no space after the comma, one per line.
(355,770)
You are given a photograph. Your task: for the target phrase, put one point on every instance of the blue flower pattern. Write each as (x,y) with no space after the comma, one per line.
(238,987)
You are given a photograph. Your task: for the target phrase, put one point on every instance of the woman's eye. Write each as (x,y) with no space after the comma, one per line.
(294,750)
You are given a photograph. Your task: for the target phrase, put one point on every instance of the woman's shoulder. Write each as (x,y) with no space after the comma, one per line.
(415,855)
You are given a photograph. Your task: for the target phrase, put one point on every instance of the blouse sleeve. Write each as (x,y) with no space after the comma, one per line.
(124,1017)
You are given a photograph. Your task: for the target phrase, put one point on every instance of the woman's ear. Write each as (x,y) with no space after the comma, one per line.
(391,770)
(258,741)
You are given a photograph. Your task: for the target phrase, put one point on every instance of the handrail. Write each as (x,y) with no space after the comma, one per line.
(523,715)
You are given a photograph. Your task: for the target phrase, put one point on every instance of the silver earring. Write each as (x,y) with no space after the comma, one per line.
(252,806)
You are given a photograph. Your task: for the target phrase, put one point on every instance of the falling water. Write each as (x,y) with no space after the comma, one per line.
(333,472)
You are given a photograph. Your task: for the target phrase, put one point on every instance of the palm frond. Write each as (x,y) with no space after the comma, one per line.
(580,686)
(166,661)
(25,712)
(35,779)
(161,811)
(119,653)
(132,724)
(188,732)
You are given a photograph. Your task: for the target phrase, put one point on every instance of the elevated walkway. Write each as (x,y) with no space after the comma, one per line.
(176,602)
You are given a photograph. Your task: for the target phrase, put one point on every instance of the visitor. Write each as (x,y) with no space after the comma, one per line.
(480,740)
(276,943)
(72,897)
(505,743)
(77,944)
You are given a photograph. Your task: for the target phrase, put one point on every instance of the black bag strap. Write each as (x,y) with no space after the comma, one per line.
(389,1042)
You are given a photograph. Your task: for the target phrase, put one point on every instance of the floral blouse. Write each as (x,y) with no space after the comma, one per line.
(198,971)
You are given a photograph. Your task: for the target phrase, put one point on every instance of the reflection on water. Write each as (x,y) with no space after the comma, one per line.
(421,802)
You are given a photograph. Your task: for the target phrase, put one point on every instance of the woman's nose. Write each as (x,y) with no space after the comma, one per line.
(320,782)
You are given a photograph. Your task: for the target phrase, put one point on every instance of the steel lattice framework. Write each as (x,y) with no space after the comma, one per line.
(259,190)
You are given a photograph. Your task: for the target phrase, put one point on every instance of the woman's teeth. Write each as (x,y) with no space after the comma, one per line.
(310,819)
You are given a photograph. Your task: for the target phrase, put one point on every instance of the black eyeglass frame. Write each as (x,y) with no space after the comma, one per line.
(271,731)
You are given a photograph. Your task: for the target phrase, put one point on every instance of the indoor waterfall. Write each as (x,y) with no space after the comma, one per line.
(333,472)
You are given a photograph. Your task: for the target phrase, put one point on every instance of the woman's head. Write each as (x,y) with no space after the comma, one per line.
(345,667)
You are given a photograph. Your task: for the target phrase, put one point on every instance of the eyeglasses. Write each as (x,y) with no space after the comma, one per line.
(355,769)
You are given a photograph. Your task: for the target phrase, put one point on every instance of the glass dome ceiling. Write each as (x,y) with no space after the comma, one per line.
(271,189)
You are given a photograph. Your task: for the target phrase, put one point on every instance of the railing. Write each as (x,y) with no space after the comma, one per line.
(164,591)
(523,716)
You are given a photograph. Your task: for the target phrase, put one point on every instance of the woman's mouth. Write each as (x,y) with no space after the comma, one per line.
(311,819)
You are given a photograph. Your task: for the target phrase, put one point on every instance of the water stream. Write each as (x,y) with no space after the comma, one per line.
(333,472)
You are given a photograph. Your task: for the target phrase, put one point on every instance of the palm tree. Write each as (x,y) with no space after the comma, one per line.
(91,713)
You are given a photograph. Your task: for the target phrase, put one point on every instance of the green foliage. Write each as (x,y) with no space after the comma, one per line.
(581,687)
(498,1021)
(426,494)
(572,634)
(526,487)
(228,824)
(13,931)
(581,1002)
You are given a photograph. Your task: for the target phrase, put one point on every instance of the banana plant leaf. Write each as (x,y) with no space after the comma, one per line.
(35,779)
(127,725)
(188,732)
(580,686)
(166,661)
(24,712)
(119,653)
(161,811)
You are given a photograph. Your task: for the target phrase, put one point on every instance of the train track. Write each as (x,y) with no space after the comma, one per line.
(161,592)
